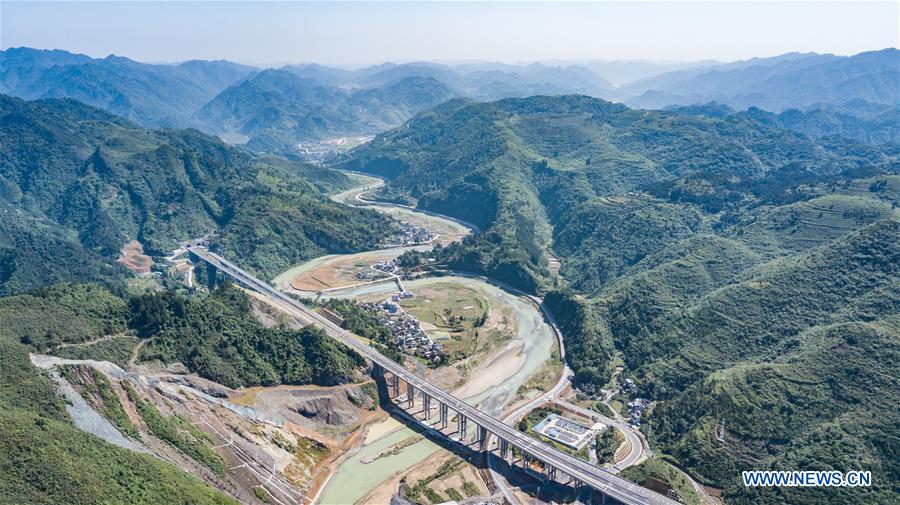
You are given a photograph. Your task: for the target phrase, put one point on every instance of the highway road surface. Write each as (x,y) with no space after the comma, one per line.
(598,478)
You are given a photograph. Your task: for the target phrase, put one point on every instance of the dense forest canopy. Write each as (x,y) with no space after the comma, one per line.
(78,183)
(216,336)
(533,170)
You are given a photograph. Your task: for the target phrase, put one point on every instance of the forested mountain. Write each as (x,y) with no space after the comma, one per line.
(78,183)
(277,109)
(773,84)
(274,110)
(386,73)
(790,361)
(724,257)
(152,95)
(217,336)
(518,166)
(667,79)
(871,127)
(492,81)
(855,120)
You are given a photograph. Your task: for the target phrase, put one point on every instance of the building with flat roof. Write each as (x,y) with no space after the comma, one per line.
(566,431)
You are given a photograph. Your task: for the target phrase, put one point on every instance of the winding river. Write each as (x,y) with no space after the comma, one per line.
(530,347)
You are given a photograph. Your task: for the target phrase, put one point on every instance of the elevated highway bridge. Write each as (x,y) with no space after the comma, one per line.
(490,433)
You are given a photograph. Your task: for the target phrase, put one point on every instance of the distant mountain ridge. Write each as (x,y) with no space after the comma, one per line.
(272,110)
(855,120)
(481,81)
(152,95)
(605,148)
(276,109)
(788,81)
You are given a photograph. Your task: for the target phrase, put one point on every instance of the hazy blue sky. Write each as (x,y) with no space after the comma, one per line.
(372,32)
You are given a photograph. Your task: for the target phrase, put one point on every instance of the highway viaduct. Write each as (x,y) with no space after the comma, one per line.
(487,432)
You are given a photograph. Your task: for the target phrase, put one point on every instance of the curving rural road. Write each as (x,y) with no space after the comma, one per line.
(639,447)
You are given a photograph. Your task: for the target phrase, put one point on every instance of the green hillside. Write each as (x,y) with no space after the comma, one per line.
(857,120)
(606,237)
(593,176)
(76,184)
(726,261)
(825,405)
(98,182)
(45,460)
(758,315)
(276,109)
(805,224)
(219,338)
(34,252)
(216,336)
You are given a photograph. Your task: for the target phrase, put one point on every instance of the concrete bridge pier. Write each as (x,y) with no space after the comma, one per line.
(444,415)
(395,386)
(482,437)
(410,395)
(526,460)
(426,405)
(461,426)
(504,450)
(550,471)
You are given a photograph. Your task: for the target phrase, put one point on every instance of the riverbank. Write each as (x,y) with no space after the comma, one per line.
(490,382)
(489,379)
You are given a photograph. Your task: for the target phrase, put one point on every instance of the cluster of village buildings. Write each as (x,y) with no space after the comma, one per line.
(406,330)
(411,235)
(637,406)
(636,409)
(380,270)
